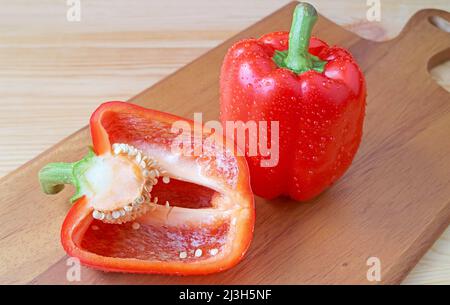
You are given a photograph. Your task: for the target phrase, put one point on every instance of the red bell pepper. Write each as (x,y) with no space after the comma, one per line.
(317,94)
(197,219)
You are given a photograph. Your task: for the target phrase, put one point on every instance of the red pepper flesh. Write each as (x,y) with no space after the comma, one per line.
(207,227)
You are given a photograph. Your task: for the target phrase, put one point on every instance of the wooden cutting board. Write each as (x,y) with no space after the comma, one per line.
(392,204)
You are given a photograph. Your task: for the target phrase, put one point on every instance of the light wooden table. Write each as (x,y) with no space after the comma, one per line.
(54,73)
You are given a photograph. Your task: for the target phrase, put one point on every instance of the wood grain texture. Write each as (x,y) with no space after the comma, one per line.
(53,73)
(29,234)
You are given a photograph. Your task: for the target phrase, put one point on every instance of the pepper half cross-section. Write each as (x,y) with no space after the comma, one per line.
(141,206)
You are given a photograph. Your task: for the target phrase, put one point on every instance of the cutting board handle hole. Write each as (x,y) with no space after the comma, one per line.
(440,23)
(439,68)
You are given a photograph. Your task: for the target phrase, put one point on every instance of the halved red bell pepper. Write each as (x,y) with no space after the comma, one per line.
(315,92)
(142,207)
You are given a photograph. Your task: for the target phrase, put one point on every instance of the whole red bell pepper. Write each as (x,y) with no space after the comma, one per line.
(141,206)
(317,94)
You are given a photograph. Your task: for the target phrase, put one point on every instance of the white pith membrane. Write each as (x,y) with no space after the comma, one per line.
(122,183)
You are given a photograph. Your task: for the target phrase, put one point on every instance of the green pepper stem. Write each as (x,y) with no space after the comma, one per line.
(53,176)
(298,57)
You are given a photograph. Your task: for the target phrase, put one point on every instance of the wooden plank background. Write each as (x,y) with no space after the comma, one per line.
(53,73)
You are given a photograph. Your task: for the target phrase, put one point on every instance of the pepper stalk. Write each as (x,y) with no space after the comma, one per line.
(54,176)
(297,58)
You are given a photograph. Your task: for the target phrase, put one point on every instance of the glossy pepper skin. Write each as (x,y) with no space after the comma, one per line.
(316,92)
(156,245)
